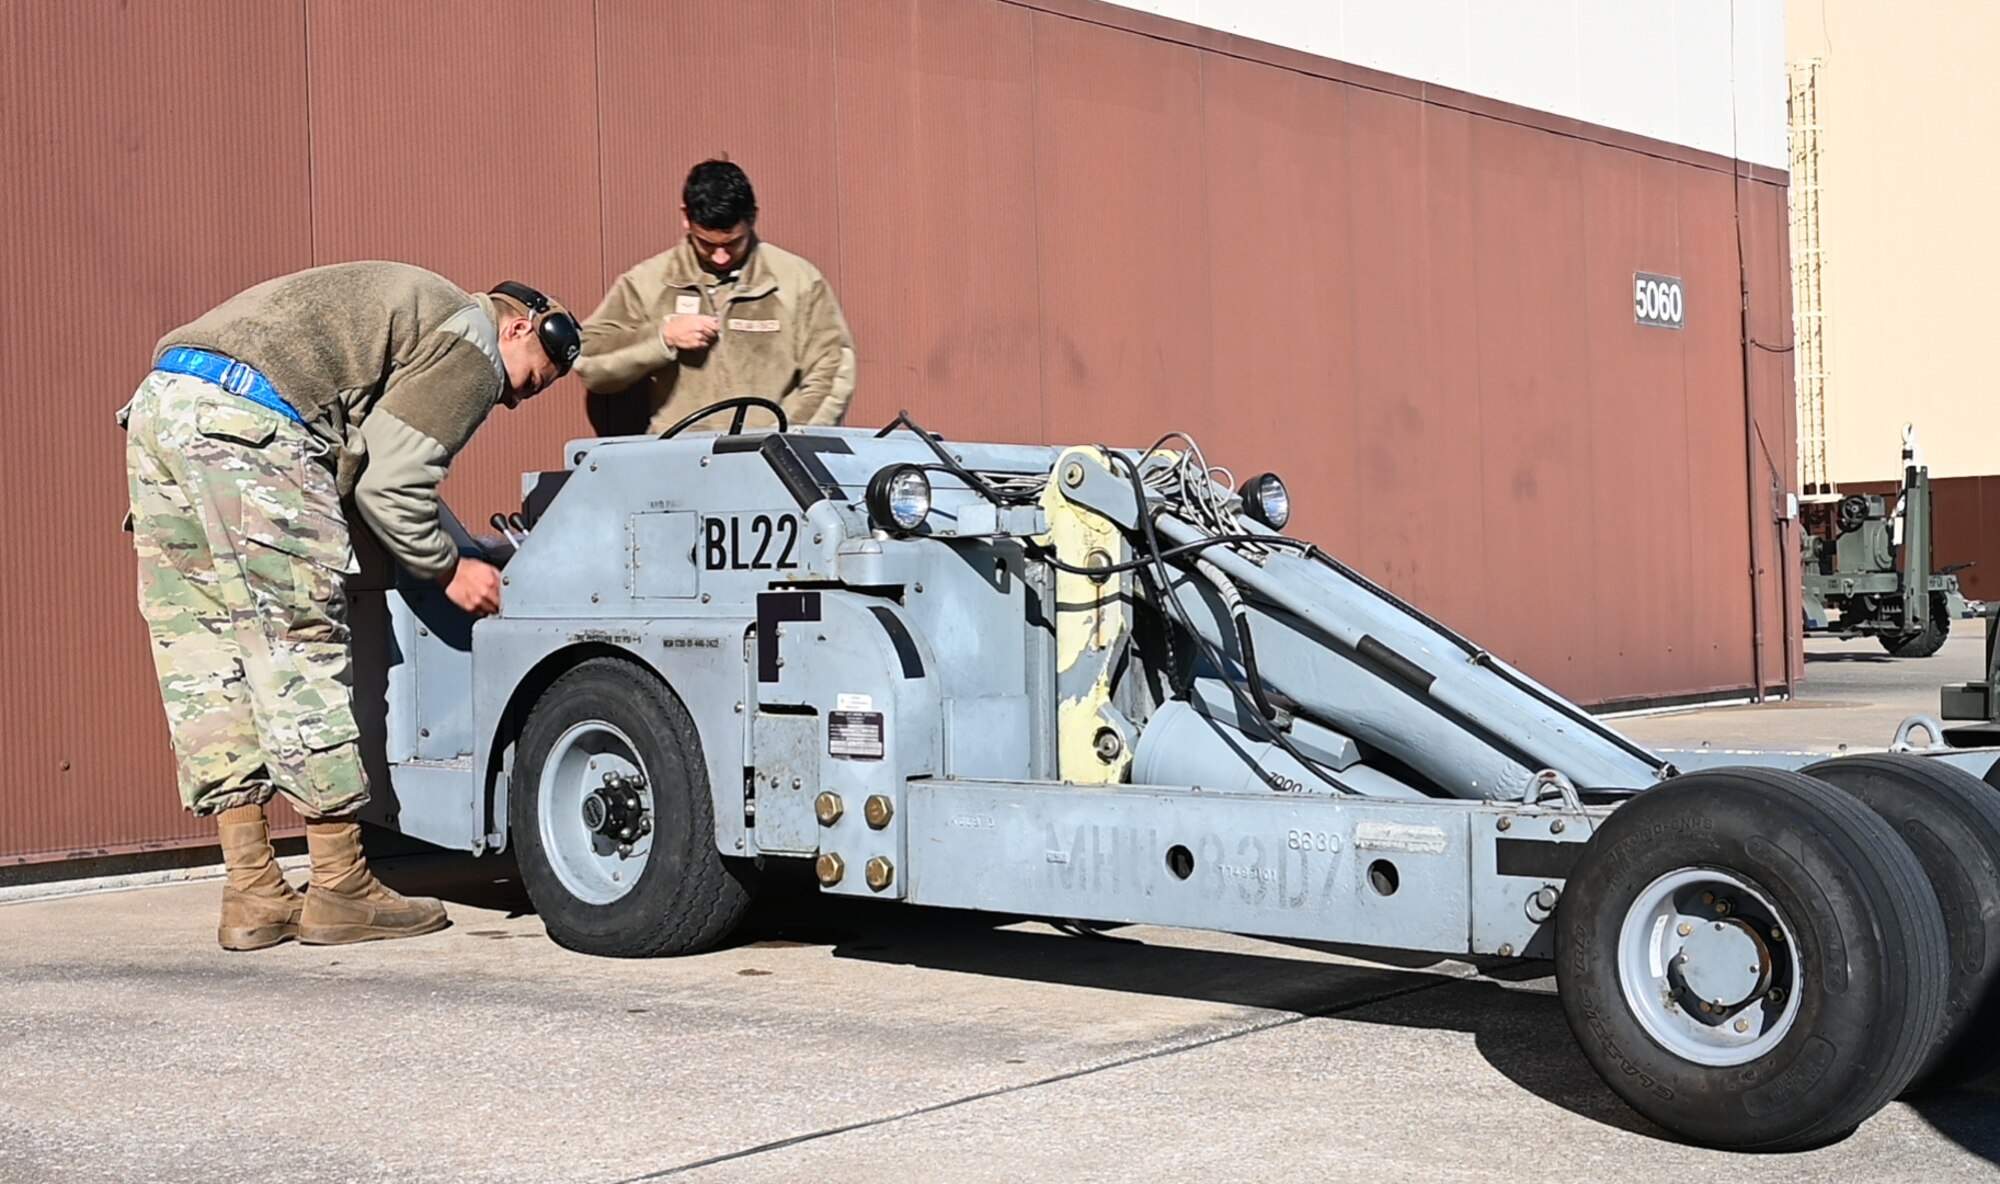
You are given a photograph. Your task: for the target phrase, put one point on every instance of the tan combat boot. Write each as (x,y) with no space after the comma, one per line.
(258,908)
(346,902)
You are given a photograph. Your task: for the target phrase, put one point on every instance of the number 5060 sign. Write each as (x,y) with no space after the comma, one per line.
(1656,300)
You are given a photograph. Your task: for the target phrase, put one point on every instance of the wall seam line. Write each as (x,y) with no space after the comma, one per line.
(1041,273)
(833,65)
(603,194)
(312,168)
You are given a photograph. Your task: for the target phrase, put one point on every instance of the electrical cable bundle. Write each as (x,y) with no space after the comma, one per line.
(1189,487)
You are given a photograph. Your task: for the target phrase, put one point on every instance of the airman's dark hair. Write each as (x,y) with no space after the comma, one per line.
(718,196)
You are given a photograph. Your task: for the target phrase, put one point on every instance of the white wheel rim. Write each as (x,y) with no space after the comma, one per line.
(1709,967)
(593,759)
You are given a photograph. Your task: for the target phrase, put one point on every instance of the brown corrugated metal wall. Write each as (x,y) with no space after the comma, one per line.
(1047,220)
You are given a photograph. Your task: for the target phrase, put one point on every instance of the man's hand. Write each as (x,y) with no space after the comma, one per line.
(473,585)
(690,332)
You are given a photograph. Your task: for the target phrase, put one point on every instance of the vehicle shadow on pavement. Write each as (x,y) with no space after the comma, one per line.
(418,869)
(1969,1116)
(1814,658)
(1511,1013)
(1509,1008)
(1517,1027)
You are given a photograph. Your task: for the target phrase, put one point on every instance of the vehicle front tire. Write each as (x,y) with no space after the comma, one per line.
(612,820)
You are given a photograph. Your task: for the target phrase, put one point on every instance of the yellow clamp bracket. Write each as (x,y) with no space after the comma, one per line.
(1093,617)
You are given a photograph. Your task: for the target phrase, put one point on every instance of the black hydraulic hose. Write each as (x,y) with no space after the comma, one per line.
(1219,660)
(979,485)
(951,465)
(1250,674)
(1254,702)
(1232,599)
(1183,687)
(902,420)
(1170,553)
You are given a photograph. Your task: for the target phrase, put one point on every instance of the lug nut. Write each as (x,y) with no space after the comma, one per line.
(1708,898)
(830,868)
(1685,929)
(880,873)
(1722,907)
(828,807)
(1742,1025)
(878,810)
(1777,995)
(1705,1008)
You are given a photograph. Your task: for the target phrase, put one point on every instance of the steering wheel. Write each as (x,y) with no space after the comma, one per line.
(1853,512)
(742,403)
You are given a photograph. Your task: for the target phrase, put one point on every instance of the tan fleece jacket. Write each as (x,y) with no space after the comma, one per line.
(782,337)
(393,366)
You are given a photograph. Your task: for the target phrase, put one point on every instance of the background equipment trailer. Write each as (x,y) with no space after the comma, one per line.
(1869,569)
(1102,684)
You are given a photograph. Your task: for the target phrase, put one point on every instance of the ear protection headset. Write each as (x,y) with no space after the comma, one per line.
(554,327)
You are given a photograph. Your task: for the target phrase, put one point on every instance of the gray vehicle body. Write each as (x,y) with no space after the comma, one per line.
(1022,771)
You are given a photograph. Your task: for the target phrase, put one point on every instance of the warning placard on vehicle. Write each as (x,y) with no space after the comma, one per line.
(856,735)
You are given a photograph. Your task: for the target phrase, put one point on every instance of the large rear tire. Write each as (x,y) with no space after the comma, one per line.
(1950,820)
(612,820)
(1751,959)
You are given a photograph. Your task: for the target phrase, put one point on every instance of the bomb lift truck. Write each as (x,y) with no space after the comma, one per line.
(1102,683)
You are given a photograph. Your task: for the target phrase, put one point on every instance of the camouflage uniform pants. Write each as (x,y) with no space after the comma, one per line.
(243,553)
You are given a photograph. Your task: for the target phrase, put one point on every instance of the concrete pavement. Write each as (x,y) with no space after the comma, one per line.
(1854,695)
(845,1038)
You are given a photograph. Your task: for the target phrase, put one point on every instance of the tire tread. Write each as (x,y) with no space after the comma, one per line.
(1917,921)
(1909,933)
(1974,1050)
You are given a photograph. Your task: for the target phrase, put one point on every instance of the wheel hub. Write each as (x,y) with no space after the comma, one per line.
(1709,967)
(615,809)
(1721,965)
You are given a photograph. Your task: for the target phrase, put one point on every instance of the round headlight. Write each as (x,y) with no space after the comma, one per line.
(1265,499)
(899,498)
